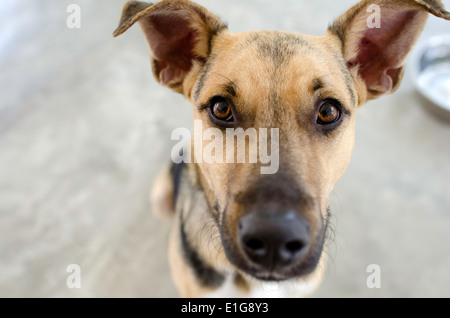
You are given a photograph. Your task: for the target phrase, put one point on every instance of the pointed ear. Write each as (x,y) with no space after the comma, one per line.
(377,37)
(179,34)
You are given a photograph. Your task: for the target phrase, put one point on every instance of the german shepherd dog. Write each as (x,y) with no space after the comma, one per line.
(266,227)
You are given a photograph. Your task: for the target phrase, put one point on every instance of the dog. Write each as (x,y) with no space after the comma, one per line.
(238,232)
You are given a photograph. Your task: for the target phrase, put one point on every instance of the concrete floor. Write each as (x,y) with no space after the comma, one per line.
(84,129)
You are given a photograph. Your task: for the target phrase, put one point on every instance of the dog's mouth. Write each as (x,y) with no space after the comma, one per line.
(302,268)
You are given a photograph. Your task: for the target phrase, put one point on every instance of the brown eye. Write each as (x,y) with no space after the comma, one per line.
(328,114)
(221,110)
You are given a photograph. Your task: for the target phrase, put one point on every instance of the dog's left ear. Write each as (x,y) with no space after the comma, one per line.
(377,36)
(179,34)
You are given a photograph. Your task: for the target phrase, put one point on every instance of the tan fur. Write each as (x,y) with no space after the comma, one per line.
(161,196)
(272,75)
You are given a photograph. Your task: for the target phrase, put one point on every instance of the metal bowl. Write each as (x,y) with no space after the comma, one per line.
(430,71)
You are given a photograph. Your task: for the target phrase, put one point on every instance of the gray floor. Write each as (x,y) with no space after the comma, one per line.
(84,128)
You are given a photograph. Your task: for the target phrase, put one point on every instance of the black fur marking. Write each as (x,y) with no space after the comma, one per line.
(231,89)
(206,275)
(176,171)
(209,57)
(317,84)
(213,33)
(202,78)
(280,48)
(347,77)
(216,207)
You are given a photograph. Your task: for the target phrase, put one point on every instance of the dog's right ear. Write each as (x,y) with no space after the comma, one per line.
(179,34)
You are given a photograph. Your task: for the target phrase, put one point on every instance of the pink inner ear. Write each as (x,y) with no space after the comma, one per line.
(172,41)
(381,50)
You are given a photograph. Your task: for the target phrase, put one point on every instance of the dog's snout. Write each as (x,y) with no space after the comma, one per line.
(273,240)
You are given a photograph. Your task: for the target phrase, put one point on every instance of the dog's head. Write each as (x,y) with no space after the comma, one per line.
(294,94)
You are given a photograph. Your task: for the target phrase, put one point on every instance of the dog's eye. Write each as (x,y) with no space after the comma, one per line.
(221,110)
(329,113)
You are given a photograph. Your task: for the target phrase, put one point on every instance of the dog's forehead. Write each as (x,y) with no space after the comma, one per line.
(267,62)
(267,49)
(278,47)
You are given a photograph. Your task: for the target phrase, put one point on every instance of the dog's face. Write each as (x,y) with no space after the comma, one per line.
(295,84)
(306,88)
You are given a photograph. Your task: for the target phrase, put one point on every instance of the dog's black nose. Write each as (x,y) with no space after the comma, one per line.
(273,240)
